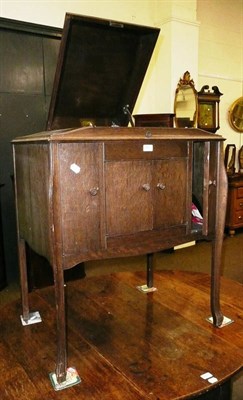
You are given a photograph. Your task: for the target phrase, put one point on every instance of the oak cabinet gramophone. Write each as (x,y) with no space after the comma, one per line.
(90,187)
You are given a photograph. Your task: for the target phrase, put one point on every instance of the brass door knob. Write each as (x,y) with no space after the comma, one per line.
(94,191)
(146,187)
(161,186)
(213,183)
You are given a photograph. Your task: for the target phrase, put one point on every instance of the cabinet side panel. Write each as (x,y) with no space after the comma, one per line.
(32,191)
(212,185)
(198,173)
(22,191)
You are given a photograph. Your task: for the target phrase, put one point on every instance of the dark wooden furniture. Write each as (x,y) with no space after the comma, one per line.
(28,54)
(106,190)
(162,120)
(71,182)
(127,345)
(2,258)
(234,215)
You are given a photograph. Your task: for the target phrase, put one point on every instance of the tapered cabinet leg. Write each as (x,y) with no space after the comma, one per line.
(61,365)
(23,279)
(220,210)
(27,318)
(150,277)
(63,377)
(150,271)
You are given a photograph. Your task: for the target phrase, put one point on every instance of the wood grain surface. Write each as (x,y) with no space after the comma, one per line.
(125,344)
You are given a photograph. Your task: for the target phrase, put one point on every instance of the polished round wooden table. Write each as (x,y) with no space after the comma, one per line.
(126,344)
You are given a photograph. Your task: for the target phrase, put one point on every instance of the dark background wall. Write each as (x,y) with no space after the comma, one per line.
(28,56)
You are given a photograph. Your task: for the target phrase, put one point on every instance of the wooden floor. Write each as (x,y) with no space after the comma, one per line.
(125,344)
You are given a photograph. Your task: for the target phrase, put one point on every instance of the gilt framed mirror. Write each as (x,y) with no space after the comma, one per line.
(229,158)
(236,115)
(185,104)
(240,159)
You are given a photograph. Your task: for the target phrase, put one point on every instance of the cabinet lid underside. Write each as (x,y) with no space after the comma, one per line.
(100,69)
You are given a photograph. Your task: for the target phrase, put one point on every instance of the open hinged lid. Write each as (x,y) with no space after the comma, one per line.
(100,70)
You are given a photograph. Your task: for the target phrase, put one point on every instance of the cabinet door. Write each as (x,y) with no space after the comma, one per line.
(170,192)
(81,191)
(128,197)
